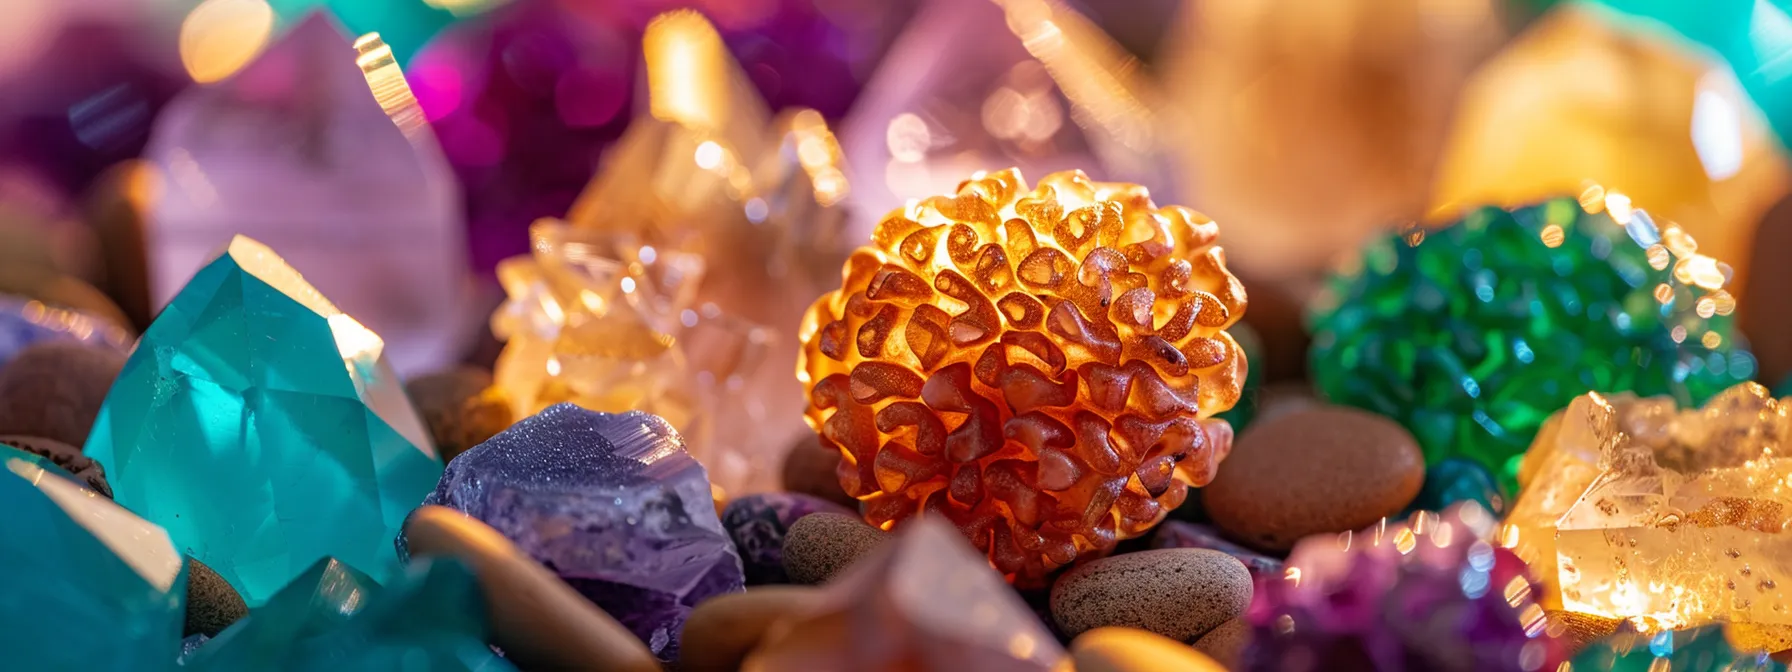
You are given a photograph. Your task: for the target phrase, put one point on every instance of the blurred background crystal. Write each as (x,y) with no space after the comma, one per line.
(318,148)
(977,85)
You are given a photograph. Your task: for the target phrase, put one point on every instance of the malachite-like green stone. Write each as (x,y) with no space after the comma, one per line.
(1472,334)
(263,428)
(333,618)
(1696,650)
(84,584)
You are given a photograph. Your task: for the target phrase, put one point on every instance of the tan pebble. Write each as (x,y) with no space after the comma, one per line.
(1180,593)
(538,620)
(460,407)
(721,631)
(809,468)
(1132,650)
(1226,643)
(54,390)
(819,545)
(1313,470)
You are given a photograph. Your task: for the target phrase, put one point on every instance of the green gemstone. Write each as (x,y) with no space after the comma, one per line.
(336,619)
(1471,335)
(84,584)
(1696,650)
(263,428)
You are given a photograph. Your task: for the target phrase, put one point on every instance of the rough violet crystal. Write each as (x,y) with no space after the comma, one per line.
(610,502)
(1427,594)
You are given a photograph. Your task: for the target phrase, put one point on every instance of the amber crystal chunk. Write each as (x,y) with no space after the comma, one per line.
(1038,366)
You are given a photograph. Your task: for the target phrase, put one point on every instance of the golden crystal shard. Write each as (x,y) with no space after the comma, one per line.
(1685,520)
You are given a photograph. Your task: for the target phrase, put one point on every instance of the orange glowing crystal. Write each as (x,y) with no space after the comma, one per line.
(1036,366)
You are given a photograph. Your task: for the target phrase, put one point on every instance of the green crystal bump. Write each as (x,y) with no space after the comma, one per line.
(1702,649)
(1472,334)
(264,429)
(336,619)
(84,584)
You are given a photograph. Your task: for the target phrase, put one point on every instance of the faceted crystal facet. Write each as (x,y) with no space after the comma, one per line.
(263,428)
(613,504)
(1687,518)
(1427,594)
(336,619)
(1471,334)
(710,221)
(23,322)
(891,611)
(84,584)
(320,150)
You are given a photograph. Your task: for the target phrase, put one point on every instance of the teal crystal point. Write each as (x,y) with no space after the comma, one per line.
(1472,334)
(333,618)
(84,584)
(264,429)
(1701,649)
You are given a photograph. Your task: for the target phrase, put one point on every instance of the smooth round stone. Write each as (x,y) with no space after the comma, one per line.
(819,545)
(460,408)
(1459,479)
(721,631)
(54,390)
(538,620)
(1226,643)
(758,524)
(1315,470)
(68,457)
(212,604)
(1132,650)
(1180,593)
(810,468)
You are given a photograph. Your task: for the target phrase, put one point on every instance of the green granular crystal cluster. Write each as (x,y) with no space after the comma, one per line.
(1472,334)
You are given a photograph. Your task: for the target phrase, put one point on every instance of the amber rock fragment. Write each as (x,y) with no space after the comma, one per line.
(1038,366)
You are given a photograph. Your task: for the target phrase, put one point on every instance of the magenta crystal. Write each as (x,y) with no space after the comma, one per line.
(610,502)
(758,523)
(1427,594)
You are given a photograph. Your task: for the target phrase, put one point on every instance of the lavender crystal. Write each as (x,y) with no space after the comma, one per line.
(757,523)
(1428,594)
(611,503)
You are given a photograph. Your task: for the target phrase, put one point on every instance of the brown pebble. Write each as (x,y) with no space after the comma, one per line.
(809,468)
(1132,650)
(819,545)
(721,631)
(212,604)
(1225,644)
(1313,470)
(1576,630)
(1759,311)
(54,390)
(460,407)
(66,456)
(1180,593)
(538,620)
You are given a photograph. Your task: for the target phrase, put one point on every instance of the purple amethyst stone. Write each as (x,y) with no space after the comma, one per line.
(1428,594)
(610,502)
(757,524)
(1179,534)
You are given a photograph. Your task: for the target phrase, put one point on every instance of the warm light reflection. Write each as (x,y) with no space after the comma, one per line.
(354,341)
(686,79)
(219,37)
(388,83)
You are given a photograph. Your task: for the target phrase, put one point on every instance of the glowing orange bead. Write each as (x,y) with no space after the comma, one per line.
(1035,366)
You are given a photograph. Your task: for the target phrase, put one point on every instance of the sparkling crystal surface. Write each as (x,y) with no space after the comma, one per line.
(1038,365)
(333,618)
(886,612)
(1686,521)
(1472,334)
(611,503)
(1702,649)
(23,322)
(298,150)
(1427,594)
(757,523)
(263,428)
(84,584)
